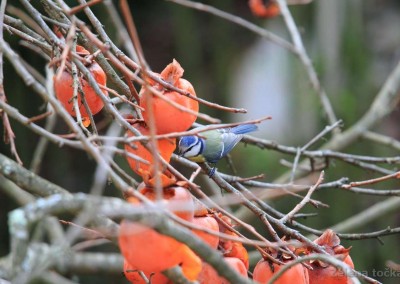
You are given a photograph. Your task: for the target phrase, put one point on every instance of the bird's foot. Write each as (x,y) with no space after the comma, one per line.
(212,172)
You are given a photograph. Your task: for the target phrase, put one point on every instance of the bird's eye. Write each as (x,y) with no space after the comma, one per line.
(190,148)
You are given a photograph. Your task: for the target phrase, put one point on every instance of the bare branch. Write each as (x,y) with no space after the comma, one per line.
(302,54)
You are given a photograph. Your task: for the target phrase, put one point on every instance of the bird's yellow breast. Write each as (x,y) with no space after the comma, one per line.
(198,159)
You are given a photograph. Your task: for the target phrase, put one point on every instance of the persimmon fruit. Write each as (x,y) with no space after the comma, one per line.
(325,273)
(132,274)
(167,117)
(231,248)
(152,252)
(210,223)
(330,274)
(264,10)
(209,275)
(237,250)
(165,147)
(63,88)
(178,199)
(264,271)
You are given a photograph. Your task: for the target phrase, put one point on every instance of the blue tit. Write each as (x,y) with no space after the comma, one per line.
(213,144)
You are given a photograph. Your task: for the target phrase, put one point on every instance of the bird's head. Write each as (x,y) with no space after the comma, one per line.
(190,146)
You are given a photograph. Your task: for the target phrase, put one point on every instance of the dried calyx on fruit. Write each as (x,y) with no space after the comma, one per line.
(325,273)
(64,89)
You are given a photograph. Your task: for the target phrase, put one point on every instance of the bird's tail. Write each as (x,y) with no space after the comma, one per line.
(243,129)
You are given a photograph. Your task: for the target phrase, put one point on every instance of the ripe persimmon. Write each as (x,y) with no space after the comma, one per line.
(239,251)
(232,248)
(63,88)
(146,249)
(150,251)
(165,147)
(264,270)
(179,200)
(132,274)
(264,10)
(209,275)
(210,223)
(325,273)
(167,117)
(329,274)
(200,210)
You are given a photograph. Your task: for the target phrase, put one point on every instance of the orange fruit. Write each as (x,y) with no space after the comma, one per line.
(167,117)
(209,275)
(264,270)
(179,200)
(210,223)
(165,147)
(63,88)
(132,274)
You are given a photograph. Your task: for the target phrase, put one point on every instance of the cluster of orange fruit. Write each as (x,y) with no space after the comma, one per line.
(320,272)
(139,244)
(167,118)
(149,252)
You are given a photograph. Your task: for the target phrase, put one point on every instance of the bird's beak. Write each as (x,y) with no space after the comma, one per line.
(179,153)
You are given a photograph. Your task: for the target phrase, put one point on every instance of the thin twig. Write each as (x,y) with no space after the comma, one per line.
(9,136)
(377,192)
(395,175)
(306,199)
(382,139)
(302,54)
(326,130)
(237,20)
(77,9)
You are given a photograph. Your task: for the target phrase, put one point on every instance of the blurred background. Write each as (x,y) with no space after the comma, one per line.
(353,44)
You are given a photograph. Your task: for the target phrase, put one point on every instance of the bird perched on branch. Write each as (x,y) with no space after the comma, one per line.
(213,144)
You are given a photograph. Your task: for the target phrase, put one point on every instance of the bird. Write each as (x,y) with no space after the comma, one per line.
(212,145)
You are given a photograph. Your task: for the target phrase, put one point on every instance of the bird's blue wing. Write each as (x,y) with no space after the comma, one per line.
(243,129)
(230,140)
(232,136)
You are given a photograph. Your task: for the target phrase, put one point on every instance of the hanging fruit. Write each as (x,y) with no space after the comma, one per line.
(325,273)
(261,9)
(265,270)
(178,199)
(152,252)
(232,248)
(167,117)
(210,223)
(64,90)
(132,274)
(209,275)
(165,147)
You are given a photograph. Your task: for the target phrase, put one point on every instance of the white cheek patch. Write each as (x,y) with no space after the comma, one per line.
(195,151)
